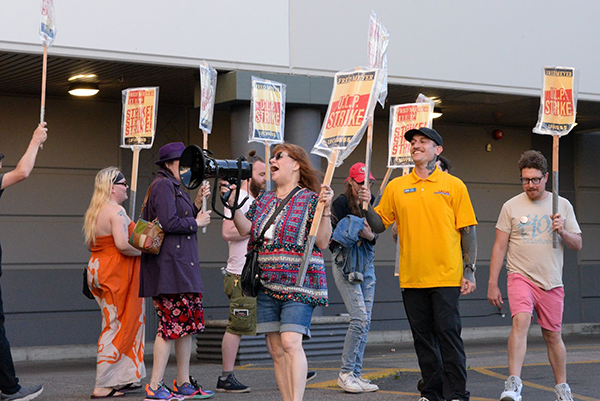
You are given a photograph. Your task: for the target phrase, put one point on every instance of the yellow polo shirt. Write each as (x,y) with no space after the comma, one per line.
(428,213)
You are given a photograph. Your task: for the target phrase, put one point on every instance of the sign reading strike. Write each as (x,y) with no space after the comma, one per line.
(268,111)
(405,117)
(349,107)
(139,117)
(558,103)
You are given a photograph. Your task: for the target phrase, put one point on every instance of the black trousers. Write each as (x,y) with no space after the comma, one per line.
(9,384)
(436,327)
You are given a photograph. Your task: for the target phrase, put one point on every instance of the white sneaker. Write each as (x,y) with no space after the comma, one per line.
(349,383)
(512,389)
(563,392)
(366,385)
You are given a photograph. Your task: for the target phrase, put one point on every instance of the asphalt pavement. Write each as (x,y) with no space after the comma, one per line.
(392,367)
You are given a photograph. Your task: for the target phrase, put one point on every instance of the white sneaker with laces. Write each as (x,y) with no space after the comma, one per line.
(512,389)
(366,385)
(349,383)
(563,392)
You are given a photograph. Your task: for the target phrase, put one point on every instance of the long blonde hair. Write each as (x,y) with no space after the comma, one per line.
(102,189)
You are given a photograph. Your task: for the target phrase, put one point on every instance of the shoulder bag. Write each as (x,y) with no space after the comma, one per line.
(250,278)
(147,236)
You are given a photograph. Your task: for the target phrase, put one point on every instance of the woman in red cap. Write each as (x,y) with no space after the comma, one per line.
(354,274)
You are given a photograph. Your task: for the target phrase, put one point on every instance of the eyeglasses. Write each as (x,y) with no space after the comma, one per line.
(124,183)
(362,183)
(279,155)
(534,180)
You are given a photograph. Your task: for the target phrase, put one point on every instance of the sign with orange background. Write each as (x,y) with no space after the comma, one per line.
(267,111)
(139,117)
(350,104)
(558,103)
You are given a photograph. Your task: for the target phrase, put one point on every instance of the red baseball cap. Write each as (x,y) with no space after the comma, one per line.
(357,173)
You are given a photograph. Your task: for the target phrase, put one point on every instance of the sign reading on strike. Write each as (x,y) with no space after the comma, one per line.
(558,102)
(268,111)
(405,117)
(139,117)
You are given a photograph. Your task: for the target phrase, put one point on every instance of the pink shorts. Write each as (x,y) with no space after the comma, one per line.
(524,296)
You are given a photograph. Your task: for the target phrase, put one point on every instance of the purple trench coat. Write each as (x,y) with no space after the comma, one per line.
(176,269)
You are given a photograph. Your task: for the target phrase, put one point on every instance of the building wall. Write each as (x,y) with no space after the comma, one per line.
(435,43)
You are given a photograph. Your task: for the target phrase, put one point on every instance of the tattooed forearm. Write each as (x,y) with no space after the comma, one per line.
(375,221)
(469,245)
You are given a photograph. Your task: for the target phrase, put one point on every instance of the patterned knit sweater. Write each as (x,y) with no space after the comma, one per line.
(280,255)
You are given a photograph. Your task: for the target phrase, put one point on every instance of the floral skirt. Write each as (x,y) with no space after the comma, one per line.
(179,314)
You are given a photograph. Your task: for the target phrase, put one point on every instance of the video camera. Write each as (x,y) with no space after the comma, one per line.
(197,165)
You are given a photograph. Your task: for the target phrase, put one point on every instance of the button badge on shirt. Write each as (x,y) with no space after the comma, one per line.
(523,219)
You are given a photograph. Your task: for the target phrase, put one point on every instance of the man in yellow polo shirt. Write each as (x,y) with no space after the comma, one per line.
(434,217)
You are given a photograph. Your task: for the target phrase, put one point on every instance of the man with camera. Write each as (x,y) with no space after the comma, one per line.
(242,309)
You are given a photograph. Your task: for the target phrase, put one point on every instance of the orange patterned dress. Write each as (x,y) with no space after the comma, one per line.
(114,279)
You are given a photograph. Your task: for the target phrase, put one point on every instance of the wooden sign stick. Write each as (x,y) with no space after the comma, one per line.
(310,241)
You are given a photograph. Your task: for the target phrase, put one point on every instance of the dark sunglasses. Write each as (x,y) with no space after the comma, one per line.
(279,155)
(122,183)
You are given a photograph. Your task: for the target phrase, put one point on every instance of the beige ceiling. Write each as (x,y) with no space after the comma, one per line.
(20,74)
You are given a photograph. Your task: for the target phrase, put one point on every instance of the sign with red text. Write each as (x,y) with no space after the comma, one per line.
(405,117)
(208,90)
(267,111)
(353,99)
(558,103)
(138,125)
(47,26)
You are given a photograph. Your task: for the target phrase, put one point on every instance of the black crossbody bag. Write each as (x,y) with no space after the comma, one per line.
(250,278)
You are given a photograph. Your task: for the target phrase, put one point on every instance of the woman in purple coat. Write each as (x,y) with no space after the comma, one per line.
(172,278)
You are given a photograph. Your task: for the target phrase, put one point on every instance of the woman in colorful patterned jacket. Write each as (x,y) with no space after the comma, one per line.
(285,307)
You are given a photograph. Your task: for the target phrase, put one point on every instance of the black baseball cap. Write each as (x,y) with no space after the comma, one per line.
(428,132)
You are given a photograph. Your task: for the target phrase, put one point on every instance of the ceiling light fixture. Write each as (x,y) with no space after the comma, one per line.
(437,112)
(83,89)
(82,76)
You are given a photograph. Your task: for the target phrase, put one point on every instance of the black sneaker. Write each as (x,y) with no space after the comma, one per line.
(310,375)
(231,385)
(24,394)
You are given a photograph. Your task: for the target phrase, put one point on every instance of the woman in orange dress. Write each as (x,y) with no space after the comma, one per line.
(113,277)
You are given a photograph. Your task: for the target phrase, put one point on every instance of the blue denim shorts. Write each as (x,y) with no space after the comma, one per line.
(274,315)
